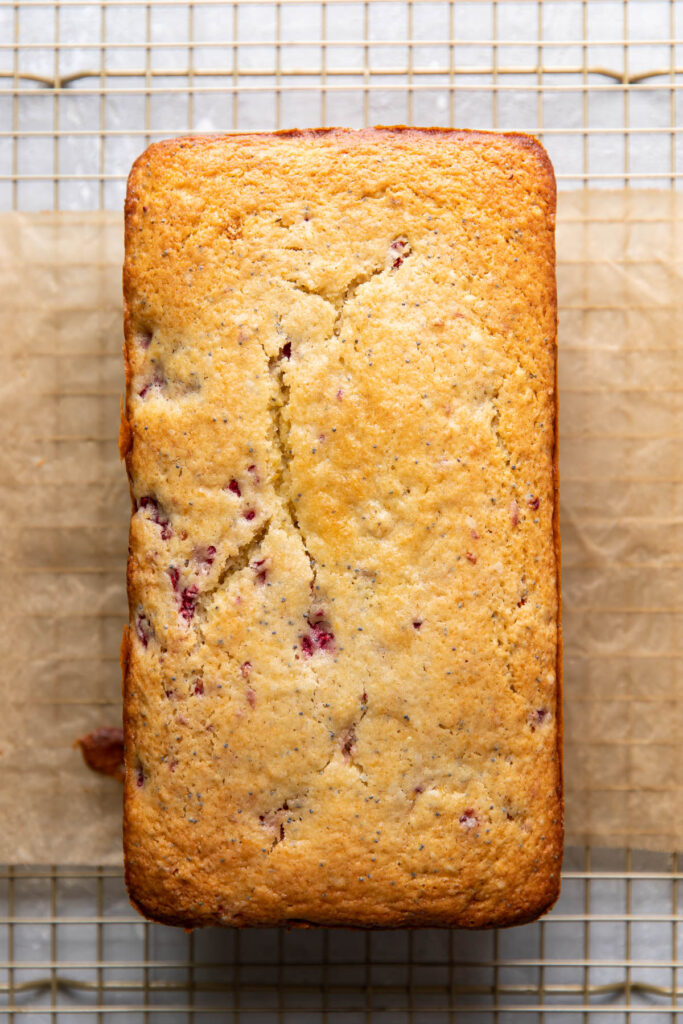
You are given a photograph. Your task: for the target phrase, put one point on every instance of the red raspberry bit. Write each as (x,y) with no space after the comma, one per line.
(143,629)
(419,789)
(251,698)
(156,382)
(205,557)
(364,697)
(468,819)
(340,395)
(156,515)
(347,743)
(321,637)
(170,694)
(324,639)
(148,502)
(175,576)
(307,646)
(145,338)
(173,764)
(322,630)
(522,601)
(198,688)
(417,624)
(188,600)
(470,557)
(399,250)
(235,488)
(538,717)
(250,514)
(514,512)
(533,502)
(139,777)
(261,570)
(286,350)
(245,669)
(254,472)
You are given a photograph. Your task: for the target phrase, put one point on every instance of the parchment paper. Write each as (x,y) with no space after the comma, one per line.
(620,278)
(64,508)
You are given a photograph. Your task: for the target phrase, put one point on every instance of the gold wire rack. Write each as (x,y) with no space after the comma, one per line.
(84,86)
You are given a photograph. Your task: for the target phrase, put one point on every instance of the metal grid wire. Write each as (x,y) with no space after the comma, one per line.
(609,951)
(83,88)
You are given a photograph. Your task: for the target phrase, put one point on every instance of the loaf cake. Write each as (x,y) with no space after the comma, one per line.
(341,672)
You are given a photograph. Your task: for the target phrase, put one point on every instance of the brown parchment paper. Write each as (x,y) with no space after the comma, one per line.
(64,508)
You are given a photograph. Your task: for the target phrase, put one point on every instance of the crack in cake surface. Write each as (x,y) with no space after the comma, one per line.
(320,635)
(280,401)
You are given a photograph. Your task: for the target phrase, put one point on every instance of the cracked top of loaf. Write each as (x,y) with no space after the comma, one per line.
(341,670)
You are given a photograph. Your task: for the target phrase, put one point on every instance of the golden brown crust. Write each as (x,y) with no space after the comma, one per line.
(124,654)
(102,751)
(125,434)
(266,277)
(559,700)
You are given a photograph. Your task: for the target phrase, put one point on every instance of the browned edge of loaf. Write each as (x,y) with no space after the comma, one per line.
(549,892)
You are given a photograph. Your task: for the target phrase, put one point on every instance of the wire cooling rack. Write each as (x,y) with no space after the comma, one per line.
(609,951)
(84,87)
